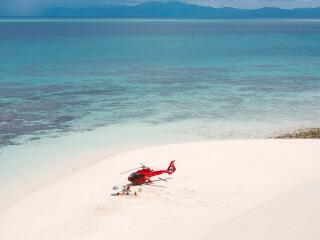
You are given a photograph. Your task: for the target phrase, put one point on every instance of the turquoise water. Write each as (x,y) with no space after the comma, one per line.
(59,76)
(169,79)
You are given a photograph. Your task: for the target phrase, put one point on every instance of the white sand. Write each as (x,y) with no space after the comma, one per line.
(240,189)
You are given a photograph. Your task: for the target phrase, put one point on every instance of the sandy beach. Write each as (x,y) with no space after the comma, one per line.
(231,189)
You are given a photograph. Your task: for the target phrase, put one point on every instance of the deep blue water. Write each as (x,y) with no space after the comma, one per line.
(60,76)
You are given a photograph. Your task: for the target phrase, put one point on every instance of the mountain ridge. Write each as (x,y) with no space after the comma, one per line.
(175,9)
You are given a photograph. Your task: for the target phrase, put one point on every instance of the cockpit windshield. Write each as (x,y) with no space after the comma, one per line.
(135,175)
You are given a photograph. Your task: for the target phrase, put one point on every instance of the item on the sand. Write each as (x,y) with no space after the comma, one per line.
(124,191)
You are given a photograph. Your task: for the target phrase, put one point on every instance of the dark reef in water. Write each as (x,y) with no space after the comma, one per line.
(302,133)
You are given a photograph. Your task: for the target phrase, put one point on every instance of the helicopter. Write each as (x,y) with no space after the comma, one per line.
(143,175)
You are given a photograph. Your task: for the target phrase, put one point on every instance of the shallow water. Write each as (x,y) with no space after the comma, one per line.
(71,75)
(172,80)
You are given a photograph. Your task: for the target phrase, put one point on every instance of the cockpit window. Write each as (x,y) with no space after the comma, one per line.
(134,176)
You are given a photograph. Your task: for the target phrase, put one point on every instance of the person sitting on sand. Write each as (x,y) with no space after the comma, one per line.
(127,190)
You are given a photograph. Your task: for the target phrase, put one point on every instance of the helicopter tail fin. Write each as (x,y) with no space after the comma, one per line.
(171,169)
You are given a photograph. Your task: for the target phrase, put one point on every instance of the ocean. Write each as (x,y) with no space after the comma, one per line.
(72,85)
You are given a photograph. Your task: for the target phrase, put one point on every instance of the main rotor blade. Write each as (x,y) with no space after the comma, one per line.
(142,165)
(151,184)
(130,170)
(154,185)
(161,179)
(164,179)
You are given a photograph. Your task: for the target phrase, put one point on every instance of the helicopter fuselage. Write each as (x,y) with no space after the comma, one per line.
(143,175)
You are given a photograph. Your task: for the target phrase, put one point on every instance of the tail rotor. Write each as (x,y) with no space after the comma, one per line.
(171,169)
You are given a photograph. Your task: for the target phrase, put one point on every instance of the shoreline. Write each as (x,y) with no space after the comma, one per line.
(46,158)
(227,166)
(92,156)
(74,166)
(20,189)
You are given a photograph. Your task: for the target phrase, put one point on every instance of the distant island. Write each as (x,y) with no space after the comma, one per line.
(176,10)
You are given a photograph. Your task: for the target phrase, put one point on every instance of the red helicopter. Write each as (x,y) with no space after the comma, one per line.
(143,175)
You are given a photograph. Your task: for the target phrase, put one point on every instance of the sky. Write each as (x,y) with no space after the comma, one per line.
(26,7)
